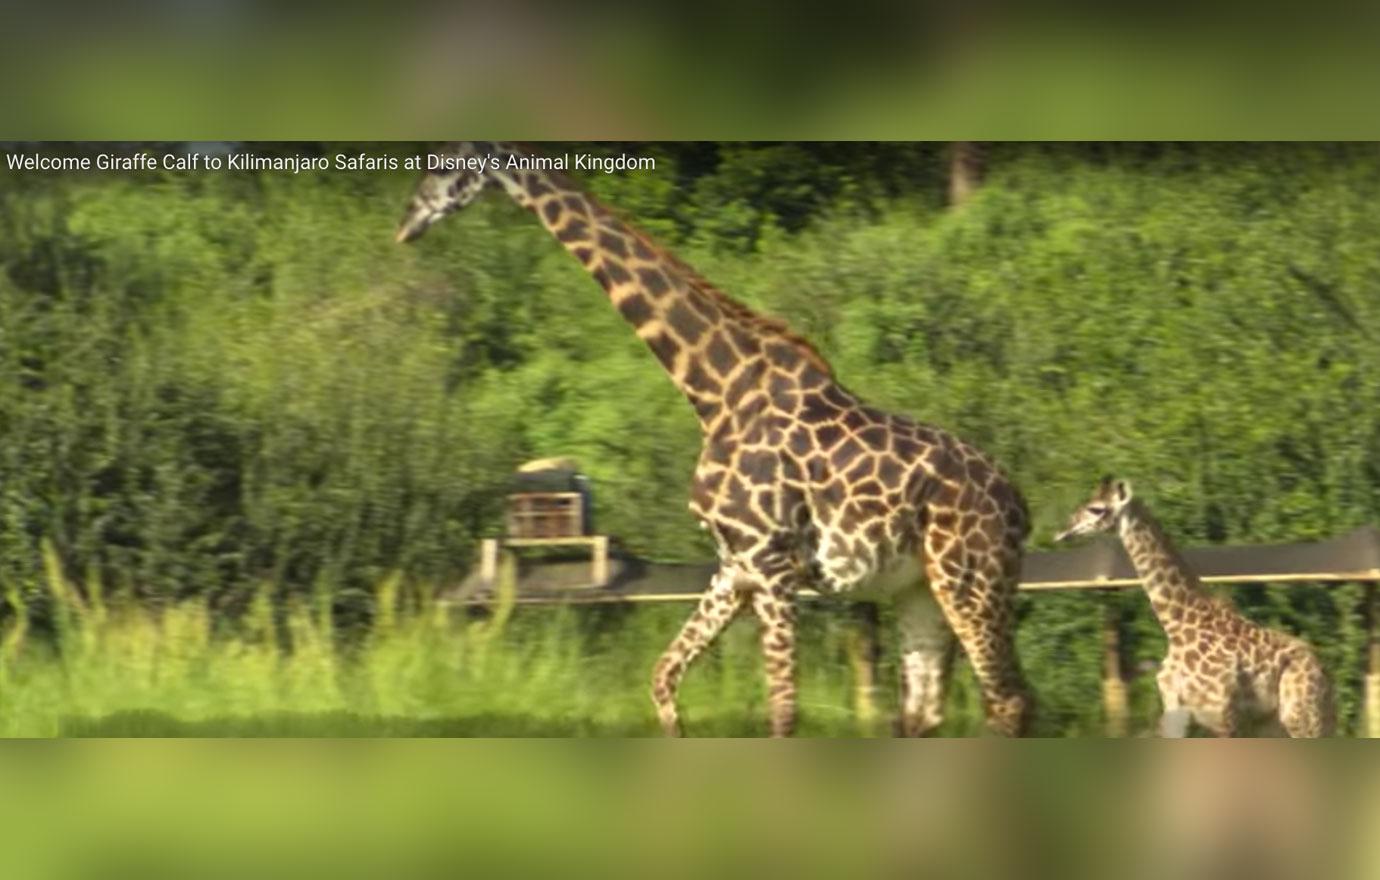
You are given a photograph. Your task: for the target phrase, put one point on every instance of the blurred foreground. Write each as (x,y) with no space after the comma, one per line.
(959,809)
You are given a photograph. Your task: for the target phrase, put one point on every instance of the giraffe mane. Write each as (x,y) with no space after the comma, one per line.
(767,324)
(735,309)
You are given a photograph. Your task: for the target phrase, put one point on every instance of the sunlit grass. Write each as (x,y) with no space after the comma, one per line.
(114,667)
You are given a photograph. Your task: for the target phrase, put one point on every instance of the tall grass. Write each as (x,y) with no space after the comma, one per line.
(116,666)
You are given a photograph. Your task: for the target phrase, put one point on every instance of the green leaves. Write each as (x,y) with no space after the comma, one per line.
(208,382)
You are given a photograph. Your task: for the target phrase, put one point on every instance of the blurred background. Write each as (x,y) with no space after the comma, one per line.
(247,440)
(250,69)
(125,377)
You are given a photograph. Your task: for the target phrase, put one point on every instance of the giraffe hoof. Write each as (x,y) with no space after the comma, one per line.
(914,728)
(670,725)
(1009,716)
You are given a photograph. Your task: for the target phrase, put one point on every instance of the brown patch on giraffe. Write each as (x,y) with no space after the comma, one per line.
(889,472)
(906,449)
(783,355)
(832,494)
(665,347)
(876,438)
(700,382)
(826,436)
(617,274)
(978,471)
(949,468)
(746,345)
(865,468)
(745,380)
(654,281)
(685,323)
(945,519)
(736,506)
(706,486)
(613,243)
(812,377)
(583,254)
(778,384)
(854,420)
(704,307)
(872,508)
(835,396)
(798,441)
(708,411)
(536,188)
(977,542)
(575,230)
(736,539)
(720,355)
(635,309)
(846,452)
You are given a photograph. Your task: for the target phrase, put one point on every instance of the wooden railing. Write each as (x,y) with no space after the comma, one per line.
(1098,565)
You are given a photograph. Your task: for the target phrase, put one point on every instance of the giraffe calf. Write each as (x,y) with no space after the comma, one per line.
(1222,670)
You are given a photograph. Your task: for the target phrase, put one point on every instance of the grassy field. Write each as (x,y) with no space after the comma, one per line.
(110,665)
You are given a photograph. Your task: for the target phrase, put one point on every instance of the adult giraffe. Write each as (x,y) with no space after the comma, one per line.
(799,482)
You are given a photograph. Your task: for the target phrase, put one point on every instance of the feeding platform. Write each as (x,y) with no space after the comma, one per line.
(550,507)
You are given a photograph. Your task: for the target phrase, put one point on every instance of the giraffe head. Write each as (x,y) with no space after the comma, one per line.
(1101,512)
(454,175)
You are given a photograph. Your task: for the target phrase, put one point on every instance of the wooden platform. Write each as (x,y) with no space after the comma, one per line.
(597,571)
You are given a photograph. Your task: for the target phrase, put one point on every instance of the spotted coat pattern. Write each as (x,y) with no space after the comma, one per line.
(799,481)
(1222,669)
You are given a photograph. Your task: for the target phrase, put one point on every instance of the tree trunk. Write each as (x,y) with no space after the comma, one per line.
(965,170)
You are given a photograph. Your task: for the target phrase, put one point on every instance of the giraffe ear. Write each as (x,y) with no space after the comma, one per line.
(1123,491)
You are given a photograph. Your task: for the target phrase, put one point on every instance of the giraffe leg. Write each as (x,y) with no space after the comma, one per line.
(1174,718)
(775,609)
(927,651)
(1305,699)
(719,605)
(978,604)
(1220,717)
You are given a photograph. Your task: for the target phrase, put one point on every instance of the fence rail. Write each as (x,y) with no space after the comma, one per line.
(1099,565)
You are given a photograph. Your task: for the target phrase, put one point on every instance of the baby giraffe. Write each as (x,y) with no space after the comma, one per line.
(1221,668)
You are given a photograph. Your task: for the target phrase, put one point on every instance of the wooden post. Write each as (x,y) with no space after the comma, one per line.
(1115,709)
(488,561)
(862,657)
(601,560)
(965,170)
(1372,701)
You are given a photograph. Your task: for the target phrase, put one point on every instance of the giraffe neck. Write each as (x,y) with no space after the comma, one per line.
(716,350)
(1170,584)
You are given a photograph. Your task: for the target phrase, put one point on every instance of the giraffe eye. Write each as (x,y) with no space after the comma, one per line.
(1097,510)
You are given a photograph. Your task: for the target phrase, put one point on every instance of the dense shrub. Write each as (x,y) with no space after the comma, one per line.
(212,382)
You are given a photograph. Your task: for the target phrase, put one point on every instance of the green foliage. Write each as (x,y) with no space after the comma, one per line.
(213,382)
